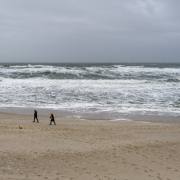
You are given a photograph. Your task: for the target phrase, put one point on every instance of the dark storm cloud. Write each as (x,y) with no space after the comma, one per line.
(89,31)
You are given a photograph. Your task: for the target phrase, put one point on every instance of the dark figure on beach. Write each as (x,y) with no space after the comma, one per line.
(52,119)
(35,116)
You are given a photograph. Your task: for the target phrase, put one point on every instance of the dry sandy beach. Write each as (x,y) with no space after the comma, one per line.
(87,150)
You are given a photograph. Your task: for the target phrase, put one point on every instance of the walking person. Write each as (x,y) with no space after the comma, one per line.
(52,119)
(36,116)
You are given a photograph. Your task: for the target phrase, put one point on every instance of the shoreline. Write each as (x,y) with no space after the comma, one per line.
(108,116)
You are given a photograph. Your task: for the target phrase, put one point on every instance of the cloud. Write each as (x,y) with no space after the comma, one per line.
(148,7)
(83,30)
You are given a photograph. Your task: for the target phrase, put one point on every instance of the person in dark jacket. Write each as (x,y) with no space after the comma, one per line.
(52,119)
(36,116)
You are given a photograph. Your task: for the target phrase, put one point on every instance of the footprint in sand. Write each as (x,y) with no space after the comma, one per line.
(158,177)
(146,171)
(150,170)
(133,164)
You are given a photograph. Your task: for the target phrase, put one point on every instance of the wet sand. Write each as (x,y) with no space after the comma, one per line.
(87,150)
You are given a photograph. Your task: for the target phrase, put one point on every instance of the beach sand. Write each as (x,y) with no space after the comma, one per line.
(87,150)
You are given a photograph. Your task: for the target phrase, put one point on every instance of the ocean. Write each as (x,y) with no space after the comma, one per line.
(109,91)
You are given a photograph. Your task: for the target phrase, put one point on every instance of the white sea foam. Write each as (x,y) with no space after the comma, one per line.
(110,88)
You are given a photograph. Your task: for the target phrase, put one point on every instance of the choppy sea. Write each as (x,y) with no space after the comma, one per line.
(110,90)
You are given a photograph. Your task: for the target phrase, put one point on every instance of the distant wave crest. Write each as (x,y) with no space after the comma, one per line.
(90,72)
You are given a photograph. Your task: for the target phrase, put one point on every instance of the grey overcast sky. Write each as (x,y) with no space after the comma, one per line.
(89,30)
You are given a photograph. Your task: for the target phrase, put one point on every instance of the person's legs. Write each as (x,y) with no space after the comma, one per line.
(51,122)
(54,122)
